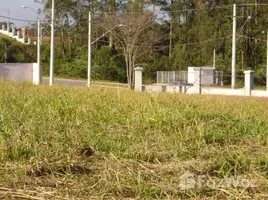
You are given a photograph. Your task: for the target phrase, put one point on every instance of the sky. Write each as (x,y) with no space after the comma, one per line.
(16,11)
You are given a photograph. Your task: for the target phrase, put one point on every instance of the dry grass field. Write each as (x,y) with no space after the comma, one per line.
(104,143)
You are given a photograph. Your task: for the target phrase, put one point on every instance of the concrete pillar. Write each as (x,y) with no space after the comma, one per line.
(29,41)
(13,31)
(3,27)
(197,80)
(218,78)
(249,82)
(18,34)
(138,79)
(23,38)
(37,74)
(183,89)
(221,78)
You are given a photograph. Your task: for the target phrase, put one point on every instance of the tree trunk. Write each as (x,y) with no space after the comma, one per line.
(5,53)
(112,10)
(62,42)
(69,43)
(170,37)
(130,69)
(171,29)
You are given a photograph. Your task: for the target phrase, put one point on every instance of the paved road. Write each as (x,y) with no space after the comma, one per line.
(69,82)
(81,83)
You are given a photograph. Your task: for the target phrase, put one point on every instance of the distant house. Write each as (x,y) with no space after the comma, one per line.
(24,31)
(11,24)
(3,23)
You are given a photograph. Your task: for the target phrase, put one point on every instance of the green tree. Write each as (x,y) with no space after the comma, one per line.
(108,64)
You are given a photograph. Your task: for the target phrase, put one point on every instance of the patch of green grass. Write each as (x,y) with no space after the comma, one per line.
(230,164)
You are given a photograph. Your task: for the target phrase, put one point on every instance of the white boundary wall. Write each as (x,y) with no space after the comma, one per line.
(15,35)
(259,93)
(21,72)
(196,88)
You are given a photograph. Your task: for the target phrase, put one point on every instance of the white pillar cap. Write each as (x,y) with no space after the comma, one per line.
(249,71)
(138,68)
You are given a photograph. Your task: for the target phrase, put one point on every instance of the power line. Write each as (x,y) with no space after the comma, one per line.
(163,11)
(174,11)
(193,9)
(257,39)
(251,4)
(185,44)
(21,20)
(15,19)
(160,11)
(198,9)
(204,41)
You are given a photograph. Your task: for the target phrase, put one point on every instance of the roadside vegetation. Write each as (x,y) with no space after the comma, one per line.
(110,143)
(155,35)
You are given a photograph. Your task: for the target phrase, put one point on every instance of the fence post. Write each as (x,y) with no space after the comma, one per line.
(37,74)
(18,34)
(249,82)
(29,41)
(216,78)
(138,79)
(197,80)
(221,78)
(23,38)
(13,31)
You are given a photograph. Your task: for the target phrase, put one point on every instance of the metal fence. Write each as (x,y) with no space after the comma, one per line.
(211,77)
(172,77)
(223,81)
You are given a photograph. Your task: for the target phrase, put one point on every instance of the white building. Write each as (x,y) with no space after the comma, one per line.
(208,75)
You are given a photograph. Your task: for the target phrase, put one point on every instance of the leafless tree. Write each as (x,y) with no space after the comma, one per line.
(137,34)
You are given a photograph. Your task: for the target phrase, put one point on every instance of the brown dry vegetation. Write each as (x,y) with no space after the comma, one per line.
(108,143)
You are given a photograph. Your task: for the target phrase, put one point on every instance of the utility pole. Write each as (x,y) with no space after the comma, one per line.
(170,37)
(234,49)
(38,43)
(256,12)
(171,29)
(51,76)
(89,51)
(8,18)
(267,64)
(112,10)
(39,34)
(214,58)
